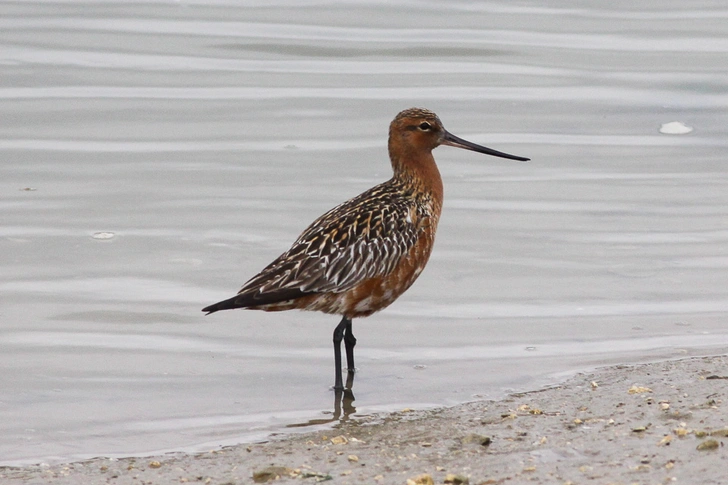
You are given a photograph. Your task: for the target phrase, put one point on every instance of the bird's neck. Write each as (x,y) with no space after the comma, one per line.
(419,171)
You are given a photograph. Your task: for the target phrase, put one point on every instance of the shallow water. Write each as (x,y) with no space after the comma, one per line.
(206,136)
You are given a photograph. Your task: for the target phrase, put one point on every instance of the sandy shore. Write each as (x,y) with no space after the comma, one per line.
(655,423)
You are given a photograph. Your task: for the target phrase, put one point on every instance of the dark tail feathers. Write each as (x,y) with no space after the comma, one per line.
(228,304)
(248,300)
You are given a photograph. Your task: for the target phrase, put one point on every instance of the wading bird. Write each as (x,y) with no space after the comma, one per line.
(360,256)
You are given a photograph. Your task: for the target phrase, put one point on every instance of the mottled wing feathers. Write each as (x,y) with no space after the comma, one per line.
(364,237)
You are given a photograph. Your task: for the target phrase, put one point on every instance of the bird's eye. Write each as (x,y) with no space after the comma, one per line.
(425,126)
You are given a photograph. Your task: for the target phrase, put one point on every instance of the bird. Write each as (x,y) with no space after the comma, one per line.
(360,256)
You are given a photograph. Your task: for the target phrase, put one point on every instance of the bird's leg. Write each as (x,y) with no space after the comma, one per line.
(338,337)
(349,343)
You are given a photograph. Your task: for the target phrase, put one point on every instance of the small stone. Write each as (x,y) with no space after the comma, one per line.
(155,464)
(353,458)
(456,479)
(665,440)
(723,432)
(638,390)
(270,473)
(681,431)
(320,477)
(594,385)
(339,440)
(708,445)
(639,429)
(423,479)
(664,406)
(476,438)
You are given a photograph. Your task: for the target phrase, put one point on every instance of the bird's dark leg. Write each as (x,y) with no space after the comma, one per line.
(338,337)
(349,343)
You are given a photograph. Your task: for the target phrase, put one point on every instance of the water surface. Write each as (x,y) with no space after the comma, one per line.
(204,136)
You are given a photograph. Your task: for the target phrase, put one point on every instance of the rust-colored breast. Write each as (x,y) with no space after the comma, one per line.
(380,292)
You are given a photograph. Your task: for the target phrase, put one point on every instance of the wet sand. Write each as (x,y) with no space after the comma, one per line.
(651,423)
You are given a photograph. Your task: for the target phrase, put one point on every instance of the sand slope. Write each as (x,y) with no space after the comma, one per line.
(654,423)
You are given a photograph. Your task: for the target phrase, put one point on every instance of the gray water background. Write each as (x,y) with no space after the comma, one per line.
(206,135)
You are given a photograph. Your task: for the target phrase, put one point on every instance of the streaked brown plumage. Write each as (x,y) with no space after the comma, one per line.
(360,256)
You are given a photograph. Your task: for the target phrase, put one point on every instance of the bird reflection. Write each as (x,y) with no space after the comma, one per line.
(343,406)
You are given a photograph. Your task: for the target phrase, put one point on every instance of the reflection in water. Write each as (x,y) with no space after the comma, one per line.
(343,399)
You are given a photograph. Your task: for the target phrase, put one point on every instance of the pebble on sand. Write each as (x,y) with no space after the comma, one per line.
(708,445)
(270,473)
(423,479)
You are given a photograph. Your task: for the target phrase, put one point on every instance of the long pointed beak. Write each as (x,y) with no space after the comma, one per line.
(455,141)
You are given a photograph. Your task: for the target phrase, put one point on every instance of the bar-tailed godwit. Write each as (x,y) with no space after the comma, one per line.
(360,256)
